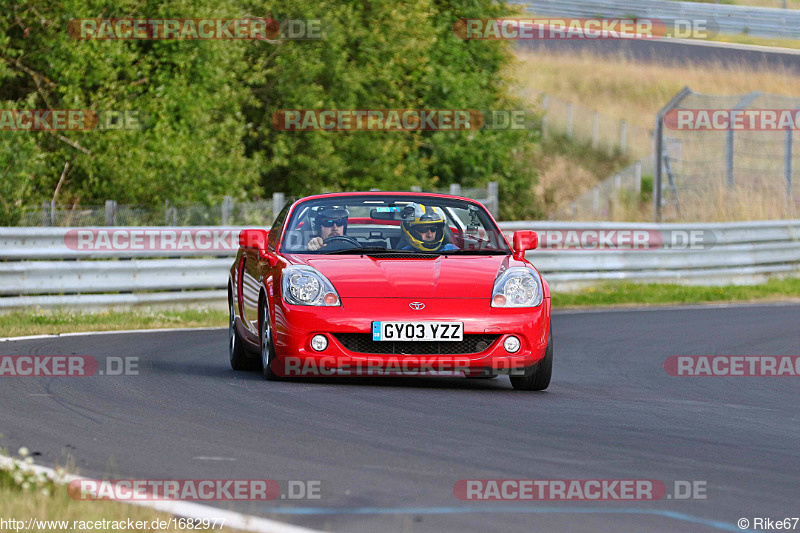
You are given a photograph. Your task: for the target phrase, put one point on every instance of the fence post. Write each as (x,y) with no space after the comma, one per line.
(623,136)
(455,189)
(227,210)
(596,200)
(278,199)
(658,133)
(787,165)
(493,190)
(569,121)
(638,177)
(45,216)
(743,103)
(658,168)
(595,130)
(111,213)
(52,212)
(545,107)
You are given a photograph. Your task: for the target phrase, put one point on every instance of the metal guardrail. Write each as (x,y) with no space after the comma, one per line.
(38,269)
(763,21)
(737,253)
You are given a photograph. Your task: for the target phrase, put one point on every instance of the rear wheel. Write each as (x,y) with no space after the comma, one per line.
(237,352)
(537,377)
(267,346)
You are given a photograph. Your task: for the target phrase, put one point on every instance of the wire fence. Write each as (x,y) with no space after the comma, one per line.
(715,158)
(721,157)
(624,196)
(588,126)
(228,213)
(259,213)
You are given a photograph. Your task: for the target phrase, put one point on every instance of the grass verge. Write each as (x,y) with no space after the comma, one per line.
(51,322)
(25,496)
(605,294)
(626,293)
(557,157)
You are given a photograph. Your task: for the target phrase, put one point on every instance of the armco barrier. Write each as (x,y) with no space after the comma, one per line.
(38,268)
(763,21)
(741,253)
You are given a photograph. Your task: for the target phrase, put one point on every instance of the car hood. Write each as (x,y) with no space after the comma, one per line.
(355,276)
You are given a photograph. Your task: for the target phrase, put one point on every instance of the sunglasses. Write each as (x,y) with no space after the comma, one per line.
(328,223)
(428,227)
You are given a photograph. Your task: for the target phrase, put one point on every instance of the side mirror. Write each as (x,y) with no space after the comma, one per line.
(524,240)
(256,239)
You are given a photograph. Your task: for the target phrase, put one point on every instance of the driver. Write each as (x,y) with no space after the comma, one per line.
(425,231)
(328,222)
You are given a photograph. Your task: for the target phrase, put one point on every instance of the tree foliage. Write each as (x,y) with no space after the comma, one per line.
(208,104)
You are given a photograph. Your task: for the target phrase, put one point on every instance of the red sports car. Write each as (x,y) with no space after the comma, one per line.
(380,283)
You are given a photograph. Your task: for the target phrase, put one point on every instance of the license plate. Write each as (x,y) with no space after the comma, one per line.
(417,331)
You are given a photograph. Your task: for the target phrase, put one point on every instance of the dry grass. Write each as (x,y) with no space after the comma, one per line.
(623,89)
(742,38)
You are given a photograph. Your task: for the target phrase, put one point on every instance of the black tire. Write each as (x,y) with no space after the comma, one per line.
(237,351)
(266,346)
(537,377)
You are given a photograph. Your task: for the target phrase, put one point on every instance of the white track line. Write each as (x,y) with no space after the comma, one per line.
(579,310)
(113,332)
(182,509)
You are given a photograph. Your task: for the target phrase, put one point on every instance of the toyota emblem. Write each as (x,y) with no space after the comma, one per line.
(416,306)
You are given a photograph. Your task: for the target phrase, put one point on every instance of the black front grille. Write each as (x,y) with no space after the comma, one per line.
(363,343)
(402,256)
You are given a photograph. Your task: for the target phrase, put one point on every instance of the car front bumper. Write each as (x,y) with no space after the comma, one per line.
(351,351)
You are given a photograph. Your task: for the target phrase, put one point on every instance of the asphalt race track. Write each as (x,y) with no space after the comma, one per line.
(390,450)
(675,52)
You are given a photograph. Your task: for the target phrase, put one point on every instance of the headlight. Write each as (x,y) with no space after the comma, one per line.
(303,285)
(517,287)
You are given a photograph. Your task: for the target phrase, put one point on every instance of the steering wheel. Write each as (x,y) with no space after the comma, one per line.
(341,240)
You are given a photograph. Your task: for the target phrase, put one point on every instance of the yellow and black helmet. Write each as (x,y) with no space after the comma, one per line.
(425,219)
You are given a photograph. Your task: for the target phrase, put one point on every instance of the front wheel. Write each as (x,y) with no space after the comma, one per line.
(236,349)
(267,346)
(537,377)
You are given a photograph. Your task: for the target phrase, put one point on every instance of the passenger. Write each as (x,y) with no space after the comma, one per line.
(426,230)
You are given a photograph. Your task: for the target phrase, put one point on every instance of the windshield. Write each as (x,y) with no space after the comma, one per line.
(413,224)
